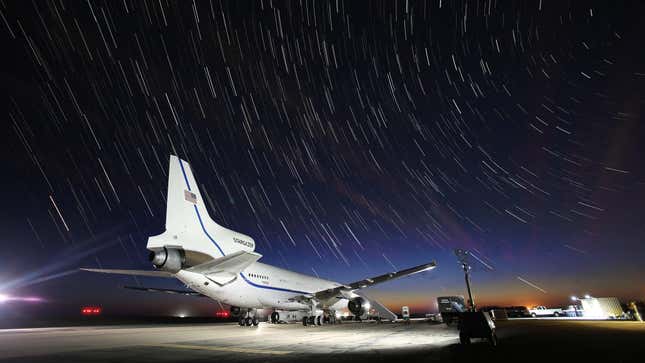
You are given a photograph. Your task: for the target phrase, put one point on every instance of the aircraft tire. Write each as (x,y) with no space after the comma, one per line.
(275,317)
(255,321)
(248,321)
(464,338)
(304,321)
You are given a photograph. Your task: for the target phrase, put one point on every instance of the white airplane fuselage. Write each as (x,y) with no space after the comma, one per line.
(261,286)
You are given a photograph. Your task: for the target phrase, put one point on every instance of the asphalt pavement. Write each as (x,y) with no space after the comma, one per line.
(519,341)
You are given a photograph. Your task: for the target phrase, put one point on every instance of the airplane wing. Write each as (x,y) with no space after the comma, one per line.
(224,269)
(391,276)
(345,290)
(150,273)
(168,291)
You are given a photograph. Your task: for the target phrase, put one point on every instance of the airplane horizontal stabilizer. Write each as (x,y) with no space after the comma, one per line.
(151,273)
(168,291)
(224,269)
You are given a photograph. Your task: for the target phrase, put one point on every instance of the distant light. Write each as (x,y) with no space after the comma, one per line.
(574,298)
(91,310)
(222,314)
(587,296)
(3,298)
(182,315)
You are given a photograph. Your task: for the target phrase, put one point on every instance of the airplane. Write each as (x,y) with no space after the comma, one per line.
(219,263)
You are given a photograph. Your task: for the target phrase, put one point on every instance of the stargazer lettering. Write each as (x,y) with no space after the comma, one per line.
(243,242)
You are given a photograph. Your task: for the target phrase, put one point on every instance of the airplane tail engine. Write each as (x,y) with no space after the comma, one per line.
(168,259)
(358,306)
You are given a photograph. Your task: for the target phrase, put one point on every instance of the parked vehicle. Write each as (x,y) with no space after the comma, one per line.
(544,311)
(507,311)
(517,312)
(450,307)
(495,312)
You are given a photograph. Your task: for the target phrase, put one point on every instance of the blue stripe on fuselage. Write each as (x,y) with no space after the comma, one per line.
(269,287)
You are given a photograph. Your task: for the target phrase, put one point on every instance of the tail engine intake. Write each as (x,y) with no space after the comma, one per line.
(168,259)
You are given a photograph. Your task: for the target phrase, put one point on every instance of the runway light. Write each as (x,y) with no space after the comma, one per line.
(222,314)
(91,310)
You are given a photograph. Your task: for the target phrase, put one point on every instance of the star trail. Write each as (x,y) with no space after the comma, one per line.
(348,138)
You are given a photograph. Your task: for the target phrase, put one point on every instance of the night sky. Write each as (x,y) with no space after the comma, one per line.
(348,138)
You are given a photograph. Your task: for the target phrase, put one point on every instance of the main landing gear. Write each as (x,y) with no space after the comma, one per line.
(249,320)
(312,320)
(275,317)
(319,320)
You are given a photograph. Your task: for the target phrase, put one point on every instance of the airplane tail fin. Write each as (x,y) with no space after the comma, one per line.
(188,224)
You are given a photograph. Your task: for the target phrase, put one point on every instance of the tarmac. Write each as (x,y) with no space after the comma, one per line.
(525,340)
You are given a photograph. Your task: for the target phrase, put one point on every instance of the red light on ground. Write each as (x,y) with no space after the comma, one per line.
(91,310)
(222,314)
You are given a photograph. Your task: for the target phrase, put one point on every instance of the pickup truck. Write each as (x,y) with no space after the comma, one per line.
(544,311)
